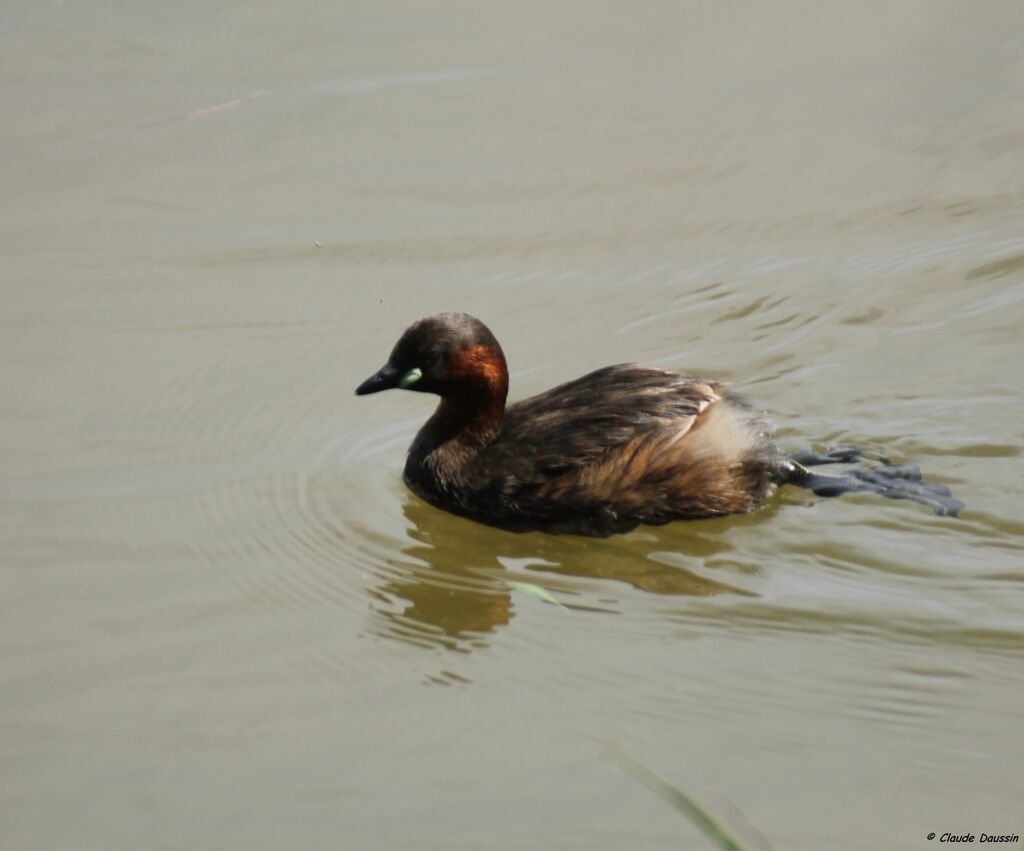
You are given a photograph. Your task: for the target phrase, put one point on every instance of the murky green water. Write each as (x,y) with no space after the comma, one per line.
(225,623)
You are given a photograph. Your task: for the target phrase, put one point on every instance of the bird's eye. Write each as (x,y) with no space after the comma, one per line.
(432,356)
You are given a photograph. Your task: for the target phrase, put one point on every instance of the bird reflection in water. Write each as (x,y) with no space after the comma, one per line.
(452,588)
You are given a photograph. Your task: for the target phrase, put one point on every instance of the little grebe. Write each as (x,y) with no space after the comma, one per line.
(621,446)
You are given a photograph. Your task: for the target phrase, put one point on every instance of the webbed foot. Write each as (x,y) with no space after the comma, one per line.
(894,482)
(835,455)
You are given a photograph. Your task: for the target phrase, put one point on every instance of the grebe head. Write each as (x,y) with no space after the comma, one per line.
(450,354)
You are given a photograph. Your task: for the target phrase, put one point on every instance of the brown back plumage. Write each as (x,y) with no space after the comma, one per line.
(616,448)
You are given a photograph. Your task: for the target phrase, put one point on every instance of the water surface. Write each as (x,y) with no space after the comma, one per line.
(225,622)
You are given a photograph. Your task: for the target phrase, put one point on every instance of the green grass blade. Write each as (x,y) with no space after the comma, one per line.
(678,799)
(534,591)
